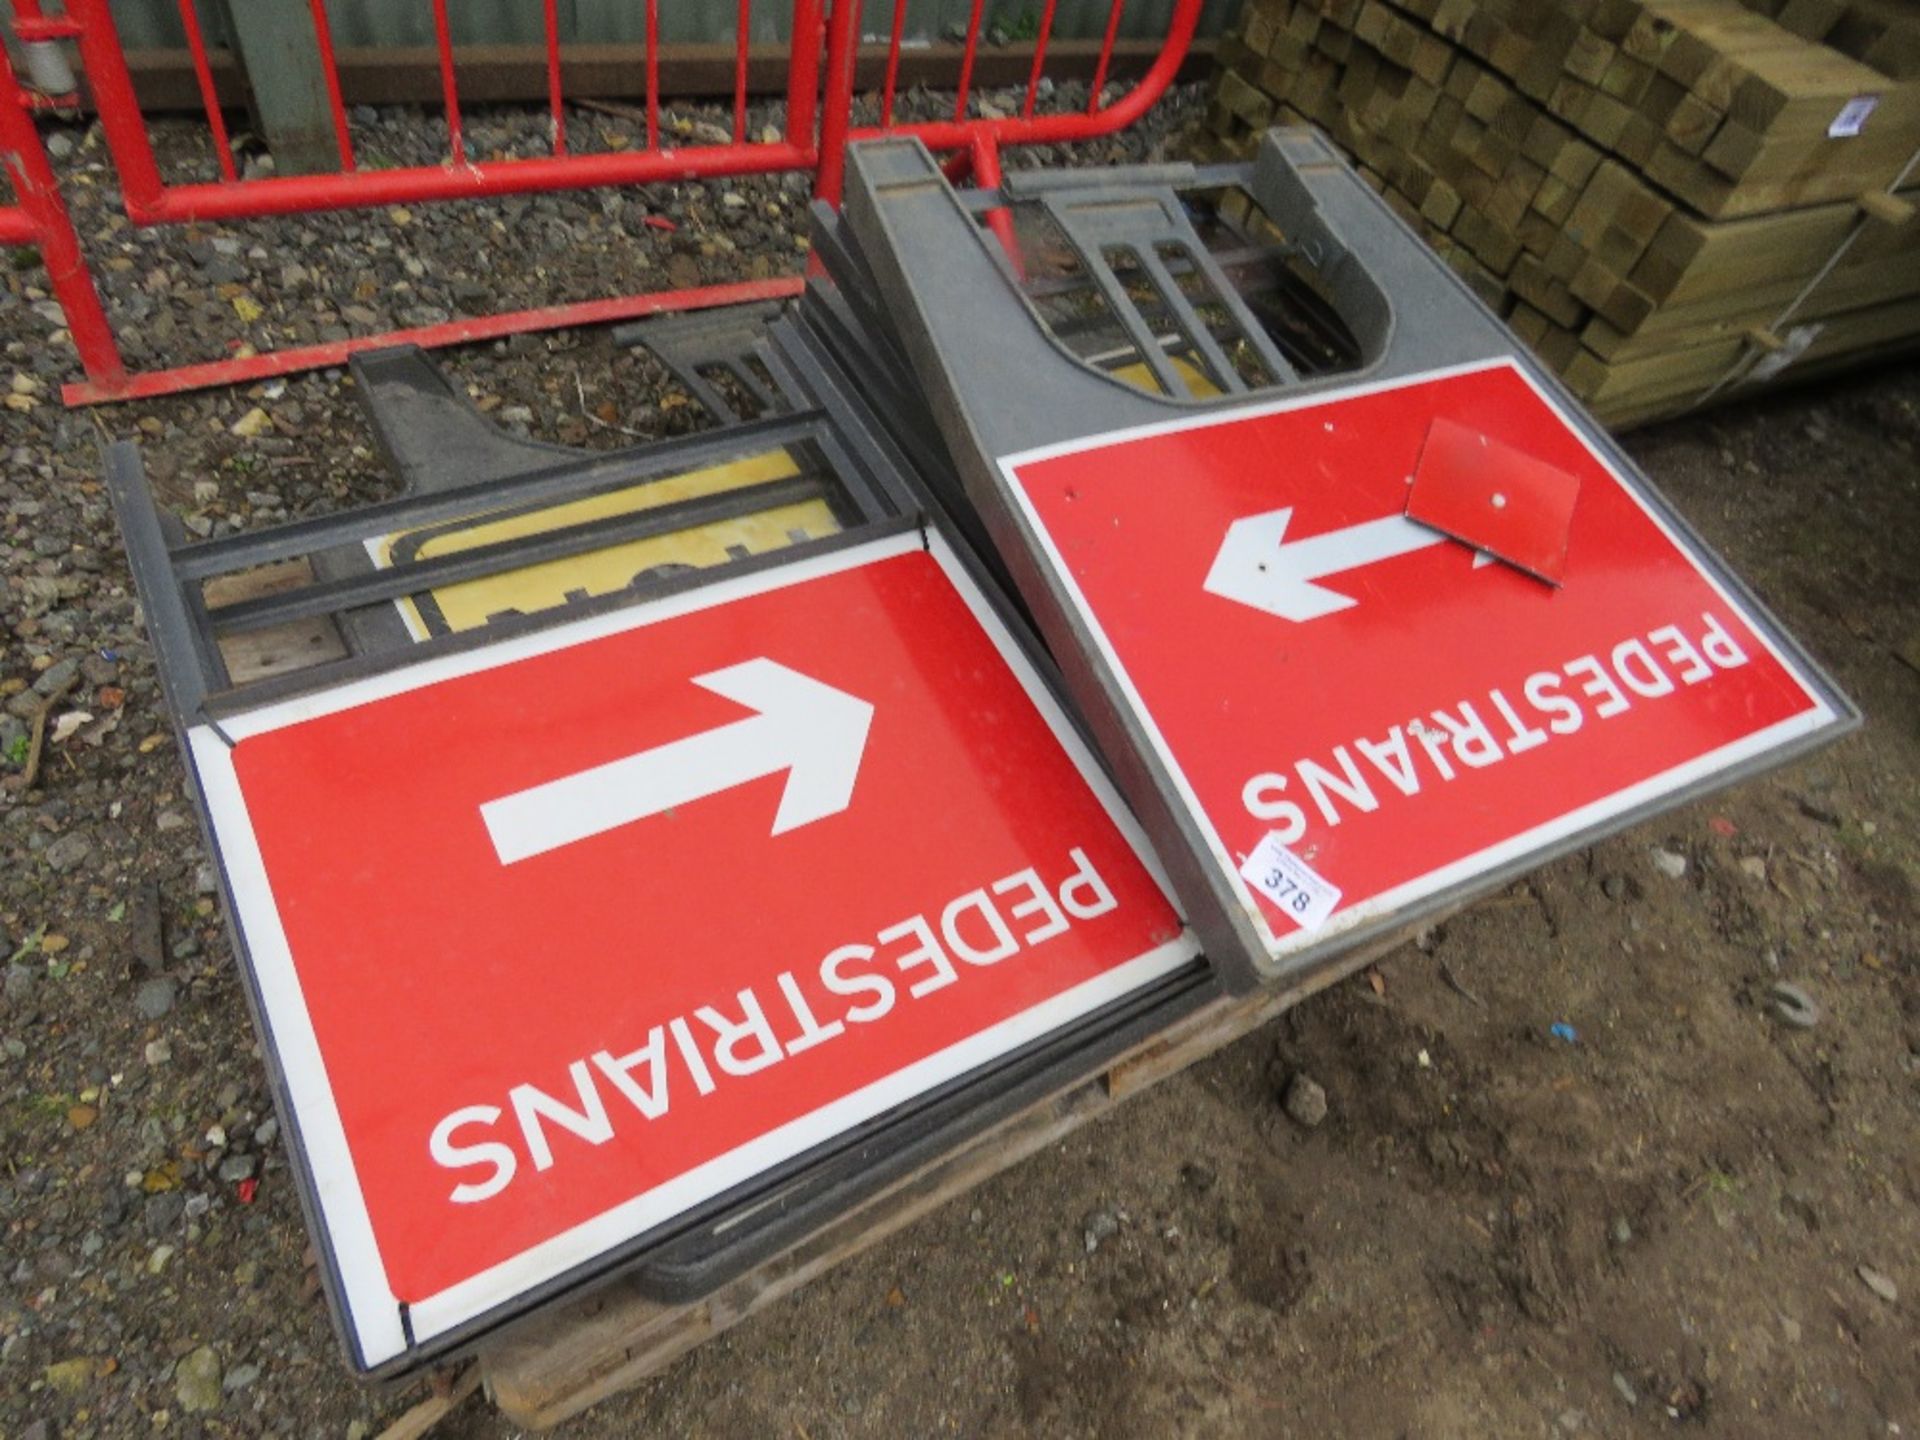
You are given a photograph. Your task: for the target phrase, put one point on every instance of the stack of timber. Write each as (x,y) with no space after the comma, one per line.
(1671,201)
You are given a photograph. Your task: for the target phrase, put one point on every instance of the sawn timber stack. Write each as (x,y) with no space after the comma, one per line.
(1671,201)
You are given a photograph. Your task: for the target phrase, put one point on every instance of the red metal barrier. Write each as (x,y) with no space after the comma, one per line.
(41,35)
(1099,118)
(150,200)
(38,217)
(819,100)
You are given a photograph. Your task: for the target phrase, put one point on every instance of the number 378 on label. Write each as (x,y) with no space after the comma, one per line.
(1290,883)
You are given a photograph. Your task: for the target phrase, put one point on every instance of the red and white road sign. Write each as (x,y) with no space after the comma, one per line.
(1360,713)
(559,938)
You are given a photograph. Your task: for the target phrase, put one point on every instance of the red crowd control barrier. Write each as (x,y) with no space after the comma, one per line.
(819,96)
(150,200)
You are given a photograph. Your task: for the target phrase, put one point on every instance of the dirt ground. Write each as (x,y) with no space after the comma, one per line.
(1693,1215)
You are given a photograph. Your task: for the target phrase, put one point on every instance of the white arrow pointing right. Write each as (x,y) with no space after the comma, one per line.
(815,733)
(1257,567)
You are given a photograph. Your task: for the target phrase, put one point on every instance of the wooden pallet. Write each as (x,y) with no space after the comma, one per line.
(575,1353)
(1627,182)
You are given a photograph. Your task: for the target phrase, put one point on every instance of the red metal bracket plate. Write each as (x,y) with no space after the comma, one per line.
(1495,498)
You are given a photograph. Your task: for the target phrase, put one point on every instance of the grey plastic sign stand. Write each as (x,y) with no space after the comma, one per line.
(1308,700)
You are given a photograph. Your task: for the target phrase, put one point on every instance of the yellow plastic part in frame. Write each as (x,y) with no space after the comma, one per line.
(468,603)
(1141,377)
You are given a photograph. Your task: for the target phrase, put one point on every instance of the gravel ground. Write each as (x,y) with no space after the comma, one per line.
(1698,1214)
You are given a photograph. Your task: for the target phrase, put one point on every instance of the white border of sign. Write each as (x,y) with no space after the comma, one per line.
(1493,857)
(372,1318)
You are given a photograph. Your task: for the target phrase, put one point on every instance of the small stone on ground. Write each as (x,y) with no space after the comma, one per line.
(1306,1101)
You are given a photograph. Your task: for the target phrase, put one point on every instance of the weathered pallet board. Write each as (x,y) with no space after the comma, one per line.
(276,649)
(562,1361)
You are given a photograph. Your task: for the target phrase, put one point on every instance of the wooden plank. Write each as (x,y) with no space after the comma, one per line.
(1690,258)
(1778,94)
(1245,101)
(1441,205)
(1370,26)
(1554,200)
(1604,119)
(1664,96)
(1545,139)
(1688,179)
(1532,281)
(1450,17)
(1303,24)
(1480,35)
(1612,183)
(1584,374)
(1555,34)
(1589,58)
(1626,79)
(275,649)
(1564,259)
(1492,245)
(1689,369)
(1576,163)
(1615,18)
(1614,299)
(1692,123)
(1649,38)
(1488,95)
(1432,58)
(1889,210)
(1569,100)
(1863,283)
(1509,51)
(1257,29)
(1536,234)
(1638,141)
(1718,82)
(1687,58)
(1333,42)
(1556,349)
(1620,416)
(1528,324)
(1811,19)
(449,1393)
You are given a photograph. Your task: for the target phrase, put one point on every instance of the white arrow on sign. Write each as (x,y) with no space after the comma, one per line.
(1256,567)
(815,733)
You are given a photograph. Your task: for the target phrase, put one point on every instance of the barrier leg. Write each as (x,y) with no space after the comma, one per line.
(985,164)
(836,106)
(38,196)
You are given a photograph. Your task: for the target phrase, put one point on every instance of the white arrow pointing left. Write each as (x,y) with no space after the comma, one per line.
(1258,566)
(813,732)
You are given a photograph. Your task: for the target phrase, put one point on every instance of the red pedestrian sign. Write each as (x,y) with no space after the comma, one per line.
(559,938)
(1361,715)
